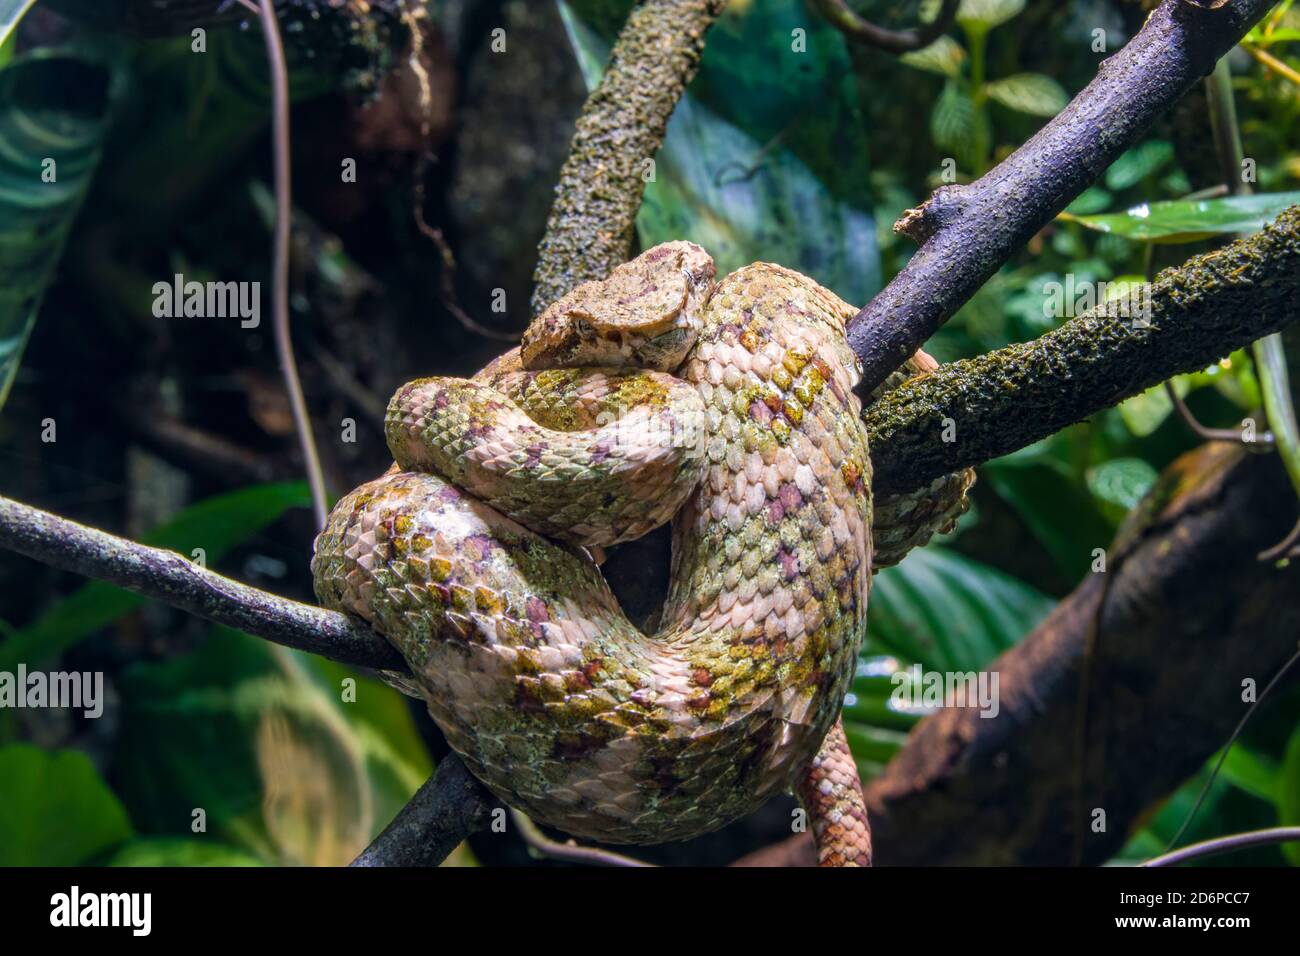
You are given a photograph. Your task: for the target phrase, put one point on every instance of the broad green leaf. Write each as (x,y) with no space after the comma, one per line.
(11,13)
(56,809)
(1146,411)
(1046,492)
(1031,93)
(988,14)
(1153,839)
(1284,35)
(53,116)
(948,612)
(262,740)
(1121,482)
(176,851)
(944,56)
(1092,199)
(1182,220)
(746,170)
(1138,163)
(215,525)
(1252,771)
(956,125)
(942,611)
(1288,794)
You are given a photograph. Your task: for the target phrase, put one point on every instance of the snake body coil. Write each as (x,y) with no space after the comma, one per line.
(464,555)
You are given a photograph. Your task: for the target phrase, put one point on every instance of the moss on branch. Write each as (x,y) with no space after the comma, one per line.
(1007,399)
(622,126)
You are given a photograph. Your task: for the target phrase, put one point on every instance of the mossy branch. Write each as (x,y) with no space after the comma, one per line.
(1007,399)
(622,126)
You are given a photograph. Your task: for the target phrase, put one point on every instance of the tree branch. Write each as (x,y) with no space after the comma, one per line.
(968,231)
(622,126)
(970,790)
(448,808)
(166,576)
(856,27)
(1005,400)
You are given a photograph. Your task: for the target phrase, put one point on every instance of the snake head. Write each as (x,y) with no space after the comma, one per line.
(645,314)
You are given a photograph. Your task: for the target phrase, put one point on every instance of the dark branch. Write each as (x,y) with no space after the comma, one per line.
(971,790)
(1005,400)
(447,809)
(856,27)
(622,126)
(968,231)
(170,578)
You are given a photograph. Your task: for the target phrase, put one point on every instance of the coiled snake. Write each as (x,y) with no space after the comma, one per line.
(470,553)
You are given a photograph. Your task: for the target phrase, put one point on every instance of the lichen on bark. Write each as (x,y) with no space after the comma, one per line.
(622,126)
(1007,399)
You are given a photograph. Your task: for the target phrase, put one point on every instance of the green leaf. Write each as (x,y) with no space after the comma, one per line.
(216,525)
(1031,93)
(1138,163)
(746,170)
(942,611)
(170,851)
(1146,411)
(56,809)
(53,117)
(1121,481)
(949,613)
(1182,220)
(11,13)
(1092,199)
(988,14)
(1252,771)
(262,740)
(1045,490)
(944,56)
(1288,795)
(956,125)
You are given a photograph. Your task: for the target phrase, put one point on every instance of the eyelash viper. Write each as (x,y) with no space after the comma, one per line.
(653,395)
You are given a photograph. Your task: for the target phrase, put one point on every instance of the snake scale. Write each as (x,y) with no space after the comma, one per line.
(656,394)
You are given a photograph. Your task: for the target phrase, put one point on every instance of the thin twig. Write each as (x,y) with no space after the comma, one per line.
(1269,353)
(1223,754)
(447,267)
(1087,670)
(570,852)
(1228,844)
(1270,62)
(1288,547)
(280,265)
(857,27)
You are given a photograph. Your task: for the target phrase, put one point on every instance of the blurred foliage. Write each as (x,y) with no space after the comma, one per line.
(53,117)
(204,532)
(791,145)
(746,170)
(291,759)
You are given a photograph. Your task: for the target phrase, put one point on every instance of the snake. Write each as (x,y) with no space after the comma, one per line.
(658,394)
